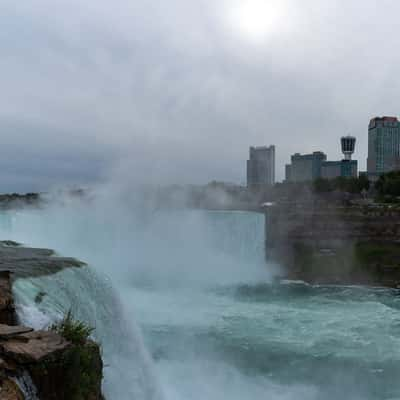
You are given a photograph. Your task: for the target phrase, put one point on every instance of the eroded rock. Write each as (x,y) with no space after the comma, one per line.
(9,390)
(33,347)
(8,332)
(7,308)
(29,262)
(57,368)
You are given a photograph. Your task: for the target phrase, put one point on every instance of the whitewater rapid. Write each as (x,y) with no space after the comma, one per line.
(184,306)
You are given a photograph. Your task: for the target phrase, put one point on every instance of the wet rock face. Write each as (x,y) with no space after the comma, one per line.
(332,244)
(41,364)
(7,309)
(23,262)
(75,375)
(57,369)
(9,390)
(32,347)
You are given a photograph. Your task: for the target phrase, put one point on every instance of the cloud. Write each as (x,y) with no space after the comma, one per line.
(173,89)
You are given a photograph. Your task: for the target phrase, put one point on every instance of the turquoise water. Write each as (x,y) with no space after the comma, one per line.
(186,308)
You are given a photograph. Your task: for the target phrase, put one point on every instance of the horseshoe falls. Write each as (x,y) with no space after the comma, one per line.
(186,308)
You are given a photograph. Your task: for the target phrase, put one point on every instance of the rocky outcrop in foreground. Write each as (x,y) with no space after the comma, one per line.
(54,364)
(44,365)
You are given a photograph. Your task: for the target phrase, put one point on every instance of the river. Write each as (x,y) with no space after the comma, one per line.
(186,308)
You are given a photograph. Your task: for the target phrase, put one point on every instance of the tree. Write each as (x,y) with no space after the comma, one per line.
(321,185)
(342,184)
(389,184)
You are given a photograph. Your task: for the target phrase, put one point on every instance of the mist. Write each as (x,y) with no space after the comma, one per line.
(151,245)
(137,255)
(185,304)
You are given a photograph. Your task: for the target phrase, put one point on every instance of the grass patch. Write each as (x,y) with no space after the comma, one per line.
(76,332)
(82,364)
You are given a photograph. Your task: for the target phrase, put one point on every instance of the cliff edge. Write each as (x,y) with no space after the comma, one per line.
(60,363)
(335,244)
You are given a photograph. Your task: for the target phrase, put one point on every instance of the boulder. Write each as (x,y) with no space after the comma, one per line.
(33,346)
(56,368)
(8,332)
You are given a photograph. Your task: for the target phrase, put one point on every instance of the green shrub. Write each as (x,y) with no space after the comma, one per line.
(74,331)
(342,184)
(82,365)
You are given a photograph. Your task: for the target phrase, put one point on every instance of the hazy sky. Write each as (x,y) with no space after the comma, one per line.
(176,91)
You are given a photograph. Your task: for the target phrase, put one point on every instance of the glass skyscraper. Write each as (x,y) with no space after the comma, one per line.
(383,145)
(261,166)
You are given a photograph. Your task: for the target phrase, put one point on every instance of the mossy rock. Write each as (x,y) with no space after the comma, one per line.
(74,375)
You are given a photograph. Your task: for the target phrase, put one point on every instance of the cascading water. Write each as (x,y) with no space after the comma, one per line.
(25,384)
(91,299)
(213,326)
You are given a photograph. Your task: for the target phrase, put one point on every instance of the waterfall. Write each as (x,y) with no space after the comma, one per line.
(25,384)
(132,254)
(128,371)
(211,325)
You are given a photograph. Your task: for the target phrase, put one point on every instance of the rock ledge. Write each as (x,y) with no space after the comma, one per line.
(41,364)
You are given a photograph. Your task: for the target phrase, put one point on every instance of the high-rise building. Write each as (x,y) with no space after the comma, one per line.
(305,167)
(308,167)
(288,172)
(261,166)
(345,168)
(383,145)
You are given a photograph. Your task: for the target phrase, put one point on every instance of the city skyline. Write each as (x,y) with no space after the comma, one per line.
(383,155)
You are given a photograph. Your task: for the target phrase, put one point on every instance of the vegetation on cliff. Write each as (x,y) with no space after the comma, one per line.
(349,185)
(373,263)
(388,187)
(76,332)
(82,364)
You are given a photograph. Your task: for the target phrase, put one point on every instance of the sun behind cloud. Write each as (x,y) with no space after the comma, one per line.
(257,19)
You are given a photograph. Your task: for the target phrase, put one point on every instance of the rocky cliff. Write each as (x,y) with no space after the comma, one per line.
(47,365)
(325,243)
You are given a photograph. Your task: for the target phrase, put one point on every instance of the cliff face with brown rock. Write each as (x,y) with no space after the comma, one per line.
(41,365)
(331,243)
(56,369)
(7,309)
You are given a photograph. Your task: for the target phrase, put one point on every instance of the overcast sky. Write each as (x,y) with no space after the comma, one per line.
(176,91)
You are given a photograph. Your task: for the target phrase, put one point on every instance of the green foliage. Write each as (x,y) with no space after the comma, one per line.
(342,184)
(82,364)
(321,185)
(384,253)
(364,183)
(74,331)
(83,373)
(388,184)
